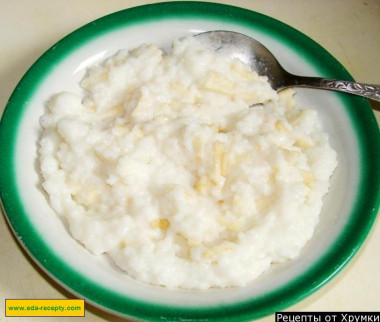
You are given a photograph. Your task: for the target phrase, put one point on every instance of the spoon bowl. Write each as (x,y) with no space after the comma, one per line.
(262,61)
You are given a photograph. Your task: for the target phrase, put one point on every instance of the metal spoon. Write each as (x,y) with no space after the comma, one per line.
(261,60)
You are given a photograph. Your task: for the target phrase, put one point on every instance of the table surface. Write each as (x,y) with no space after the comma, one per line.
(349,30)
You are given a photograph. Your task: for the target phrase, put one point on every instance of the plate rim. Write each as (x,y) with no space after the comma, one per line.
(340,252)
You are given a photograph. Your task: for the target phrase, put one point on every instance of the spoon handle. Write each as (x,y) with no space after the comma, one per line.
(370,91)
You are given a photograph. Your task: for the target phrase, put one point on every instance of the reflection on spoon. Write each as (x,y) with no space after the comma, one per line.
(261,60)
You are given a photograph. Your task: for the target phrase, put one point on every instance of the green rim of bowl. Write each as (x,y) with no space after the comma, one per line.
(346,245)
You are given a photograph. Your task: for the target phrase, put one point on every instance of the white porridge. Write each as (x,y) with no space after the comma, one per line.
(164,166)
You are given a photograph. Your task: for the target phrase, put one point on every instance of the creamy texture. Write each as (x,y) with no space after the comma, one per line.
(164,166)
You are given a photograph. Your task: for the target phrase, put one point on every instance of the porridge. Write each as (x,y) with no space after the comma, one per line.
(186,168)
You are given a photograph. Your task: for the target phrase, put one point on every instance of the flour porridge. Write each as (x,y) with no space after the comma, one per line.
(186,168)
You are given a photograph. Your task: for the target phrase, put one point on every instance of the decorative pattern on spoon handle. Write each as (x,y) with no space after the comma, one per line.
(367,90)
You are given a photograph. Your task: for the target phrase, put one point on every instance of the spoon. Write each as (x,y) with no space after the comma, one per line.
(261,60)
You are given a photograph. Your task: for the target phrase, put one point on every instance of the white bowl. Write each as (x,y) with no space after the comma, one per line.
(347,216)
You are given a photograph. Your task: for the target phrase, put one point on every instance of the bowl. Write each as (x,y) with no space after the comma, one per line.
(349,209)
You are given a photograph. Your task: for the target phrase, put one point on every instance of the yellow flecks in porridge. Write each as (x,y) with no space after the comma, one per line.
(186,168)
